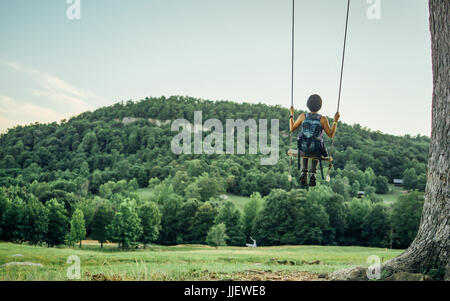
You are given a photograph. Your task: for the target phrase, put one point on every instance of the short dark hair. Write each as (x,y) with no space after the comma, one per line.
(314,103)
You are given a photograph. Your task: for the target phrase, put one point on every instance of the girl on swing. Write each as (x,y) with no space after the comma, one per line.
(313,126)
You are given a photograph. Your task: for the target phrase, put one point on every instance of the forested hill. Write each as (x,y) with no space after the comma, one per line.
(132,141)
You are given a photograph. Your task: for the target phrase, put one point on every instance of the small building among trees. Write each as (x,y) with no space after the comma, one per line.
(398,182)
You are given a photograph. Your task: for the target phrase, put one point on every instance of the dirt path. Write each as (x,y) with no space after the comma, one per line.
(256,275)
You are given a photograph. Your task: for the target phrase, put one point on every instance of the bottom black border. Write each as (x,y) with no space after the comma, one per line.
(259,290)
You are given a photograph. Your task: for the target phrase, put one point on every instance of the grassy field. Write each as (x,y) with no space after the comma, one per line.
(145,193)
(392,195)
(185,262)
(239,201)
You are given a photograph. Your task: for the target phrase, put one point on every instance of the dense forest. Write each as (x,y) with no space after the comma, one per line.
(63,181)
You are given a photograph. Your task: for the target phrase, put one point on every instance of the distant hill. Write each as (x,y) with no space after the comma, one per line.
(132,140)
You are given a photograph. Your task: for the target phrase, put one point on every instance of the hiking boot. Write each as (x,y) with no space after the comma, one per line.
(312,180)
(303,179)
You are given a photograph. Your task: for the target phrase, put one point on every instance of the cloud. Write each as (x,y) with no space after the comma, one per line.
(14,112)
(33,95)
(57,90)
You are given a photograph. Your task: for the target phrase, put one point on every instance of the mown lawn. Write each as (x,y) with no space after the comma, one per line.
(393,194)
(239,201)
(183,262)
(388,198)
(145,194)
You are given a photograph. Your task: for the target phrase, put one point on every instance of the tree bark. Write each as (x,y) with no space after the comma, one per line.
(431,247)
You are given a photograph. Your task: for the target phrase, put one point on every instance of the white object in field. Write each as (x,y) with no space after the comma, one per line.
(252,245)
(328,178)
(290,178)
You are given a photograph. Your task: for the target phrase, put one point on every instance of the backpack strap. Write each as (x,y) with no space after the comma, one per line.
(321,167)
(299,145)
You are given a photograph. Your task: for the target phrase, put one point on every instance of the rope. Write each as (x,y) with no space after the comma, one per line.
(292,53)
(341,77)
(343,55)
(292,82)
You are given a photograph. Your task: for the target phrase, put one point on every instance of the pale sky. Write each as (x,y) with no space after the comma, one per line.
(53,68)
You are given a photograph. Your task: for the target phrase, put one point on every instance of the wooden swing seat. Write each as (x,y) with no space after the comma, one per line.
(294,153)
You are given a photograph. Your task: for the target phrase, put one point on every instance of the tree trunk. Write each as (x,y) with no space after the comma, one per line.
(80,244)
(431,247)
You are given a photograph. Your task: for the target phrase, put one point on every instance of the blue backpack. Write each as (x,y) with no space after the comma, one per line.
(310,142)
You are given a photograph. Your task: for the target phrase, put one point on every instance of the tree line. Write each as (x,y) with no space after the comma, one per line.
(169,216)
